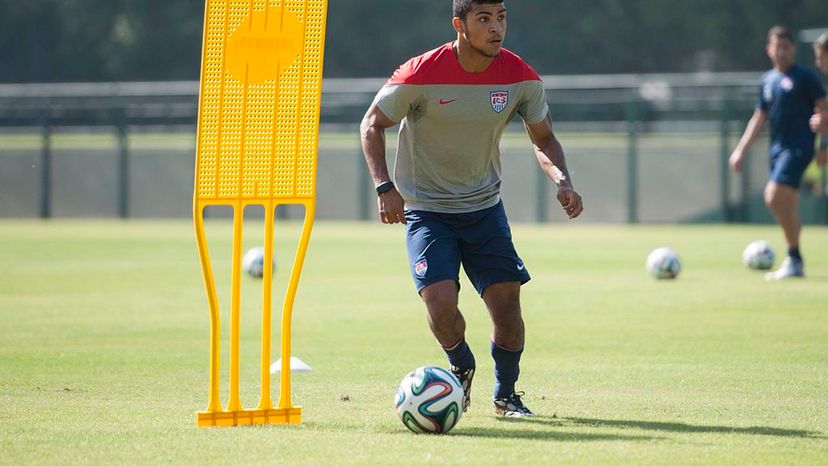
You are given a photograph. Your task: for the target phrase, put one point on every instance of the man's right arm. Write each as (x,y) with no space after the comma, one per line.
(372,135)
(752,132)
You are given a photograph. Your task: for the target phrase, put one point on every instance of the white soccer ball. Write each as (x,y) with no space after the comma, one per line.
(664,263)
(253,262)
(759,255)
(429,400)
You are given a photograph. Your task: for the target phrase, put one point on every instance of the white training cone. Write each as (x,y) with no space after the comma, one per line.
(296,365)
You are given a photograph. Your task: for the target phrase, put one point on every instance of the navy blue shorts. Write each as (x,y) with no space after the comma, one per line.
(438,243)
(787,165)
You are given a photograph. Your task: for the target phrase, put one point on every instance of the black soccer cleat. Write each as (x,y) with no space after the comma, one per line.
(512,406)
(465,378)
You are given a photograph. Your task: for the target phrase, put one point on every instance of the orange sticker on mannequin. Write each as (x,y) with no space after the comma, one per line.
(264,43)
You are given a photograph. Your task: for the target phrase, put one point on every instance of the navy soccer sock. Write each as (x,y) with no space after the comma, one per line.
(506,370)
(795,254)
(460,356)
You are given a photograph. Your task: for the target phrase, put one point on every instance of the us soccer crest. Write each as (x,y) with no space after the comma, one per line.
(421,267)
(500,100)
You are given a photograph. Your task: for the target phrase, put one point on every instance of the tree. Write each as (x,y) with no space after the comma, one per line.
(130,40)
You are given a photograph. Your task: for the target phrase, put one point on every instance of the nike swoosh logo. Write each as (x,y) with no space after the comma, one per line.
(521,266)
(447,101)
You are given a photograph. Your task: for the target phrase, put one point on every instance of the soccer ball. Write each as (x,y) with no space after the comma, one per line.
(429,400)
(758,255)
(663,263)
(253,262)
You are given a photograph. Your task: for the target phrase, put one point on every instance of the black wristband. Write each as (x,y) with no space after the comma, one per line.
(384,187)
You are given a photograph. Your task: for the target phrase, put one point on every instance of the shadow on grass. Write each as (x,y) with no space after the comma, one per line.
(817,278)
(690,428)
(515,432)
(546,435)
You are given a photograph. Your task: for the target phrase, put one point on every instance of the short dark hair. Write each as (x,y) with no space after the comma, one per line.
(780,32)
(461,7)
(822,41)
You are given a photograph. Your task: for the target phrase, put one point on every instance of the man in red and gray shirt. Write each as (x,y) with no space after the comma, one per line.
(452,104)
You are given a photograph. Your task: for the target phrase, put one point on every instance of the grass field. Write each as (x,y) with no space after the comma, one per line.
(104,350)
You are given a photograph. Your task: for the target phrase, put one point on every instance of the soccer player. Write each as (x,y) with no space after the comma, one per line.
(819,122)
(452,104)
(787,97)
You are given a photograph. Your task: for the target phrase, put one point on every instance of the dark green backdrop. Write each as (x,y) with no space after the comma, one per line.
(132,40)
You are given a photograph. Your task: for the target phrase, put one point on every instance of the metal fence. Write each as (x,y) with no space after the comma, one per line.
(641,148)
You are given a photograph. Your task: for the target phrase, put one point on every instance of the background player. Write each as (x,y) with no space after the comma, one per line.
(819,122)
(787,97)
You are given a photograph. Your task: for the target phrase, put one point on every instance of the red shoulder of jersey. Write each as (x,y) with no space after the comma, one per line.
(440,67)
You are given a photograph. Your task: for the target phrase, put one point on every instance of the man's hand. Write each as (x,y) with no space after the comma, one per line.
(391,207)
(571,202)
(736,160)
(819,122)
(822,157)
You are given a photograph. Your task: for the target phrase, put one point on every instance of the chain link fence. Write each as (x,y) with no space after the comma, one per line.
(641,148)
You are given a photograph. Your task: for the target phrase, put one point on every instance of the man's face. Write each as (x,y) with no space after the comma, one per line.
(821,59)
(485,28)
(781,52)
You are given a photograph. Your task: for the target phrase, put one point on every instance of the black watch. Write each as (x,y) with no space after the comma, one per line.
(384,187)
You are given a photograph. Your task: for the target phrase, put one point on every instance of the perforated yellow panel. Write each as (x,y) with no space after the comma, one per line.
(260,94)
(257,140)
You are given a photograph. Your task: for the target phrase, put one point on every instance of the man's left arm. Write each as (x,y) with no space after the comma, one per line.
(551,158)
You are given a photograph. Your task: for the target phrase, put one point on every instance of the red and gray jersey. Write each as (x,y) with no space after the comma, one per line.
(448,153)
